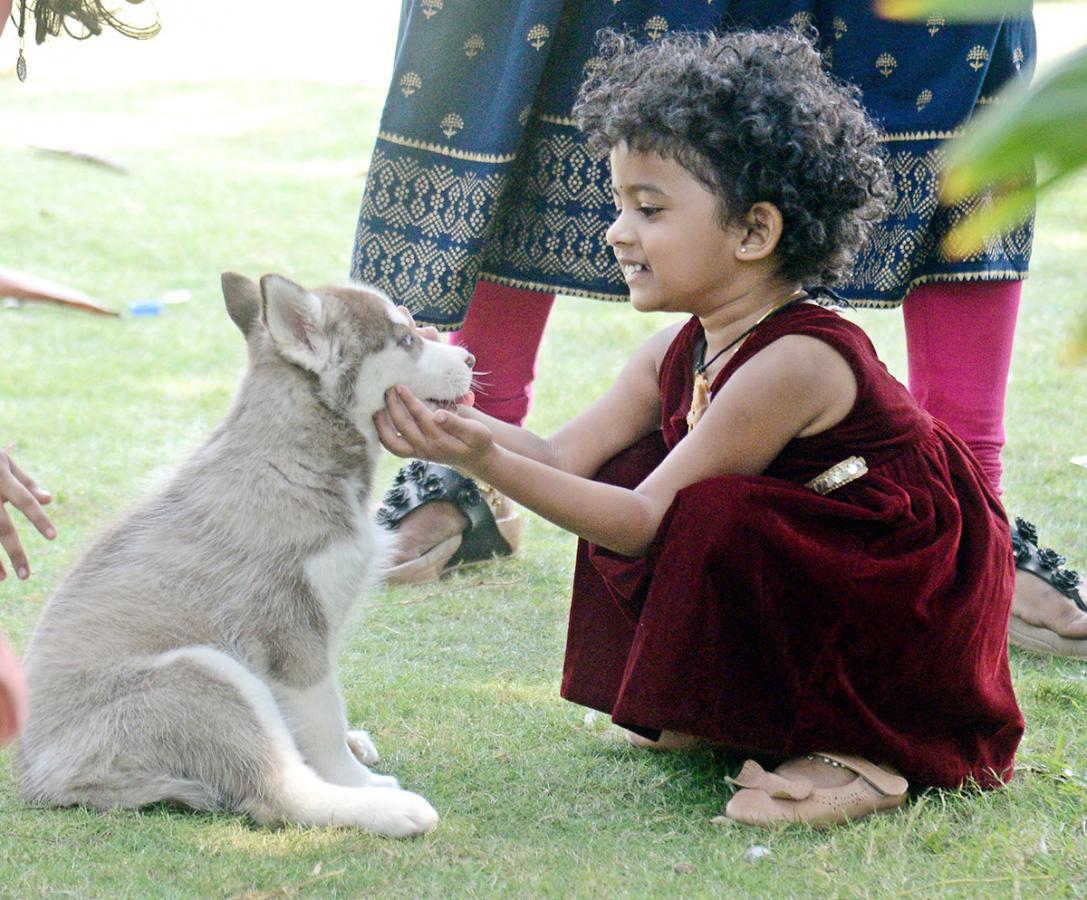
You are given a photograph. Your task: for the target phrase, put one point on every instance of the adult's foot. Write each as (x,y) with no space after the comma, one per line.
(426,527)
(1048,614)
(441,519)
(1044,620)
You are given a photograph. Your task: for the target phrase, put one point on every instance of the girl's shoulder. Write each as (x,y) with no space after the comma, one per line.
(819,322)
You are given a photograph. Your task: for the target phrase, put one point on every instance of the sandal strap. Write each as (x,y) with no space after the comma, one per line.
(887,783)
(419,483)
(1044,562)
(754,776)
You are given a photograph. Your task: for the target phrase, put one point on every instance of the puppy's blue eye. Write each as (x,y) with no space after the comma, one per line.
(407,340)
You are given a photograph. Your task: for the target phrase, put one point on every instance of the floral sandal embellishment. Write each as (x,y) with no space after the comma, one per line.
(1044,562)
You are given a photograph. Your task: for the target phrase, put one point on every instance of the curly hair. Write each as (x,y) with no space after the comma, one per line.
(755,117)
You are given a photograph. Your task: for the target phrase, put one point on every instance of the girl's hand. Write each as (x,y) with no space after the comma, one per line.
(408,428)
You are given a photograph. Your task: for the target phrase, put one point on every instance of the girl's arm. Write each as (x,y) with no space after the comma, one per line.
(796,387)
(627,411)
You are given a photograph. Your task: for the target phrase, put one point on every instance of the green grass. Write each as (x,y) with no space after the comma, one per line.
(458,681)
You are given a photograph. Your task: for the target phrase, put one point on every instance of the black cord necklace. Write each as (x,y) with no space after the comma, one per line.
(700,394)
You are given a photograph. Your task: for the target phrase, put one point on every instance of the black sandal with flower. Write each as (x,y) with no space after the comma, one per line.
(1046,564)
(493,528)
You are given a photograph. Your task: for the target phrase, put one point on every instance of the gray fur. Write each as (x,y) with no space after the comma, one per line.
(189,654)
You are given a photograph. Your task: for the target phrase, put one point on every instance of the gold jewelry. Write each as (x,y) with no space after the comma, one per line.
(700,394)
(842,473)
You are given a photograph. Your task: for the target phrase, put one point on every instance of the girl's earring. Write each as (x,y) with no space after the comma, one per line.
(743,249)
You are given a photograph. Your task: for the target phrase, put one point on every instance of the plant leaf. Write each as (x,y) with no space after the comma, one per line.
(955,11)
(1045,123)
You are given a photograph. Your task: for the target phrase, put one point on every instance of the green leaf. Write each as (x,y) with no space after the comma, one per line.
(952,10)
(1044,124)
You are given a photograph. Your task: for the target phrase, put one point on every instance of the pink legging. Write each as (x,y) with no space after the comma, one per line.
(958,337)
(503,331)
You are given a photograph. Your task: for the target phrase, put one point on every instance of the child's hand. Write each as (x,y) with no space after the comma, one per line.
(19,489)
(408,428)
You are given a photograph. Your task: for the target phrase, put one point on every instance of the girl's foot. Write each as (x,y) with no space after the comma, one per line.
(668,742)
(818,789)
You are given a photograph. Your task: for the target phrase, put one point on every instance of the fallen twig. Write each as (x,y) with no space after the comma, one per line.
(83,156)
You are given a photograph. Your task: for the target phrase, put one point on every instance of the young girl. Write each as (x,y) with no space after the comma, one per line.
(782,553)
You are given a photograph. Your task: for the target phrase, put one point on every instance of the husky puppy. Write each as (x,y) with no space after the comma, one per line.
(190,654)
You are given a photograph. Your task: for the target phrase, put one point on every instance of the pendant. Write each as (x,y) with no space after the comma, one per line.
(20,66)
(700,400)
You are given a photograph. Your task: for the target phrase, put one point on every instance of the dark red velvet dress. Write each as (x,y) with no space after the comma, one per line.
(871,620)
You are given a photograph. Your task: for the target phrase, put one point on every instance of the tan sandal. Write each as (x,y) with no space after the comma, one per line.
(493,529)
(789,794)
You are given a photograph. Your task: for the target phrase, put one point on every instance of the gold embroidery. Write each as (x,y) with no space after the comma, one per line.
(552,220)
(886,64)
(410,82)
(594,65)
(473,45)
(446,151)
(620,295)
(802,21)
(537,35)
(924,99)
(957,277)
(656,26)
(557,120)
(840,27)
(935,23)
(451,124)
(524,115)
(920,135)
(420,228)
(429,229)
(914,227)
(977,57)
(432,7)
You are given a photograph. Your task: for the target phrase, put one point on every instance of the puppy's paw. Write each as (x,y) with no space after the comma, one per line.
(383,781)
(360,744)
(404,814)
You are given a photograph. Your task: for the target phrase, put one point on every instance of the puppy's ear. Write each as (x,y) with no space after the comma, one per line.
(242,297)
(295,319)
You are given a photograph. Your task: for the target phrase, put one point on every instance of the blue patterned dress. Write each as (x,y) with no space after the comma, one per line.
(479,171)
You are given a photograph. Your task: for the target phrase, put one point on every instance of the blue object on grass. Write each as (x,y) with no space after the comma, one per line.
(145,307)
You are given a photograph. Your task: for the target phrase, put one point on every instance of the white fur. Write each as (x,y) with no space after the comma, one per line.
(190,654)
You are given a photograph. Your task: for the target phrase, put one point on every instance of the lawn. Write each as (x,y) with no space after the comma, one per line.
(458,682)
